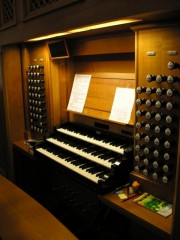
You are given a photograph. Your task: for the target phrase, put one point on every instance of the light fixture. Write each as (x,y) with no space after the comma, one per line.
(85,28)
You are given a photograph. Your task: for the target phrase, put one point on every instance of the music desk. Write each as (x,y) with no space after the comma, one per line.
(23,218)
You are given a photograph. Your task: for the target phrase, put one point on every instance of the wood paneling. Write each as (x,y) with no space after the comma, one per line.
(13,101)
(162,40)
(13,92)
(122,43)
(84,13)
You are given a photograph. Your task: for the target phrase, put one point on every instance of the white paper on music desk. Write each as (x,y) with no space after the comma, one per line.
(122,105)
(79,92)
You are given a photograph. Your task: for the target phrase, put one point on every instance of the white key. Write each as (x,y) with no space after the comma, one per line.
(118,149)
(69,165)
(80,152)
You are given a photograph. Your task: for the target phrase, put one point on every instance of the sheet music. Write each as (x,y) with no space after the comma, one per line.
(79,92)
(122,105)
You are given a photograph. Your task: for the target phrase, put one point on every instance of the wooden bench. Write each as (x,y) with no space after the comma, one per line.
(22,217)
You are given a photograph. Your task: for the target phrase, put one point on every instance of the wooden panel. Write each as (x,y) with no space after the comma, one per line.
(176,209)
(13,101)
(56,75)
(160,40)
(103,45)
(54,92)
(58,91)
(25,62)
(13,92)
(3,133)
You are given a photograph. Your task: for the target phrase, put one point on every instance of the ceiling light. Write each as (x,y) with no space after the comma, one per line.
(86,28)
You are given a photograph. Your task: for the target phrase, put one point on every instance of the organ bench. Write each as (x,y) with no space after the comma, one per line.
(24,218)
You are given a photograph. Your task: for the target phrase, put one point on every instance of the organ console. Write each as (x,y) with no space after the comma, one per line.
(100,157)
(146,149)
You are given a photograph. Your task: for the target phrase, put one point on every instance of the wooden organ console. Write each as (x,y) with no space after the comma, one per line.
(86,152)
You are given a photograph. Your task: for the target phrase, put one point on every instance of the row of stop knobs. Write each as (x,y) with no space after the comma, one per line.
(36,93)
(156,122)
(153,155)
